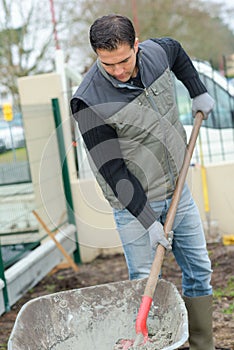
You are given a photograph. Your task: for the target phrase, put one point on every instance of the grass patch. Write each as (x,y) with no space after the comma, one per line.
(227,291)
(50,288)
(30,291)
(8,156)
(229,310)
(60,277)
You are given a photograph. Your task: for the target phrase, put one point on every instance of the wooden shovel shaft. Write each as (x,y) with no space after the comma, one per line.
(160,252)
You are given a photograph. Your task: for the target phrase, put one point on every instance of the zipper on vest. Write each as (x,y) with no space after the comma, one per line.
(153,104)
(146,92)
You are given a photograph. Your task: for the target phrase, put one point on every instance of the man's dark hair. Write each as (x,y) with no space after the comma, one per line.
(108,32)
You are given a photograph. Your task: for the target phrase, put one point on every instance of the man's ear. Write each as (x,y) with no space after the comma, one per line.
(136,44)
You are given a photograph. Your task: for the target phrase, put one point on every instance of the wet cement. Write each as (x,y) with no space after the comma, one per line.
(159,341)
(97,317)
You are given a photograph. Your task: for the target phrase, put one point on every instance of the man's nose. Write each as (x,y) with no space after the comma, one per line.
(118,69)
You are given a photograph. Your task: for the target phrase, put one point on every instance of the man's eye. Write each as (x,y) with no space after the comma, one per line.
(112,65)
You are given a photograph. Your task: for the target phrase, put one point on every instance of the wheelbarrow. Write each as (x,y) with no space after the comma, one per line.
(98,317)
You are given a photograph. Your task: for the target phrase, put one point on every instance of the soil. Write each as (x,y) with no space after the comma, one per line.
(106,269)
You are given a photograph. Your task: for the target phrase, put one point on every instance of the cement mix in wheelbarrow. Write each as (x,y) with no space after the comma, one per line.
(99,317)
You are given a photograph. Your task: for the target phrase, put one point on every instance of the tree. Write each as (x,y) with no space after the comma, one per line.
(195,23)
(74,24)
(27,43)
(22,50)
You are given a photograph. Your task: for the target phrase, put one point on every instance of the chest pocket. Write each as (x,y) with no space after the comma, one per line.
(162,90)
(136,115)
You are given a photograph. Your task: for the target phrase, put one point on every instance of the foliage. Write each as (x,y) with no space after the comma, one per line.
(22,51)
(200,31)
(195,23)
(27,41)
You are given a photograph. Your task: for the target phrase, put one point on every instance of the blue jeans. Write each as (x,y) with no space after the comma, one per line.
(189,245)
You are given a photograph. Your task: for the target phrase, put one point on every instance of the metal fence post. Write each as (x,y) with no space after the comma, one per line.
(2,276)
(65,172)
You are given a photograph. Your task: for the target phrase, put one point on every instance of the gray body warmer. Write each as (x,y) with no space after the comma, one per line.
(151,137)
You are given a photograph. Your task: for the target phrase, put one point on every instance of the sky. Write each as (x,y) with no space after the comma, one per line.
(229,4)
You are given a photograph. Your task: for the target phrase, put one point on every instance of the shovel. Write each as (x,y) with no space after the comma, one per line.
(141,326)
(94,317)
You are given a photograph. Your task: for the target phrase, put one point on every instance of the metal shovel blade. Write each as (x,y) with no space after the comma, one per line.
(97,317)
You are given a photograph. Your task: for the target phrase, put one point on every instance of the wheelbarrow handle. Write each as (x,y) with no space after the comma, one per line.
(160,252)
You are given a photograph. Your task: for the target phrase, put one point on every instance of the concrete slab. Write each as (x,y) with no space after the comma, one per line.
(2,304)
(27,272)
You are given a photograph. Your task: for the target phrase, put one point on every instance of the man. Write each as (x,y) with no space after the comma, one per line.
(126,111)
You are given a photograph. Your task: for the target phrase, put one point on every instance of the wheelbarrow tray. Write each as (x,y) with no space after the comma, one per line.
(97,317)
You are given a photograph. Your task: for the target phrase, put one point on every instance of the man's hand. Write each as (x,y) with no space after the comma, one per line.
(203,103)
(157,236)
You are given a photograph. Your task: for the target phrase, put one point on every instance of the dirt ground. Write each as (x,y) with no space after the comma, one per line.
(113,268)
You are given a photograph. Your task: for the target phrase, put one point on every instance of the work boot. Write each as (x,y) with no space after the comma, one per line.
(200,322)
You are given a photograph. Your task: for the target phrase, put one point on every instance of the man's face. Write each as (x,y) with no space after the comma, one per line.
(120,63)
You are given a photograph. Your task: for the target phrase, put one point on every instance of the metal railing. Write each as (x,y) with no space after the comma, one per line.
(14,164)
(217,132)
(16,213)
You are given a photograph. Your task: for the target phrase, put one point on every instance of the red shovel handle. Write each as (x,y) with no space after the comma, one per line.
(160,252)
(143,312)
